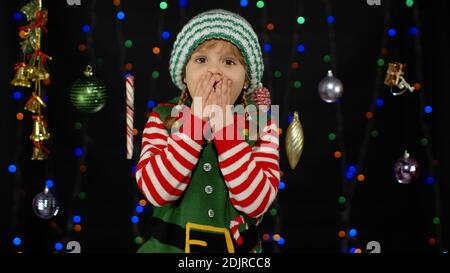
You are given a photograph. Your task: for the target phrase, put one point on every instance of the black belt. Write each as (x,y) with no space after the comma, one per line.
(171,234)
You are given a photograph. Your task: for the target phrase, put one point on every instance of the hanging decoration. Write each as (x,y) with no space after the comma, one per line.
(294,141)
(406,169)
(261,97)
(88,94)
(394,78)
(32,69)
(45,205)
(129,86)
(330,88)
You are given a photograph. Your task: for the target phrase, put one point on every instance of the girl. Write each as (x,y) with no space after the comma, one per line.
(209,195)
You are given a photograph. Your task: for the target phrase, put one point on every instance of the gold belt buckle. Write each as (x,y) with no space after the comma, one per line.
(194,226)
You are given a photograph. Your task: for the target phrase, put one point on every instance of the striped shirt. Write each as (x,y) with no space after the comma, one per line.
(251,173)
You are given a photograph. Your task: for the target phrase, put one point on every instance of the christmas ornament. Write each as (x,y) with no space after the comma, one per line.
(330,88)
(394,78)
(30,9)
(88,94)
(406,169)
(261,97)
(129,86)
(34,103)
(35,70)
(39,151)
(20,78)
(39,129)
(45,205)
(31,33)
(294,141)
(32,68)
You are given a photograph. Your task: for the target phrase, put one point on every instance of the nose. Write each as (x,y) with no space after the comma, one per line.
(214,69)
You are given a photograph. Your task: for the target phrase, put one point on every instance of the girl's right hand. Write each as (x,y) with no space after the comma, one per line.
(202,90)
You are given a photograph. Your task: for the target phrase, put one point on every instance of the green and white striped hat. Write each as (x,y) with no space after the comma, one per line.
(219,24)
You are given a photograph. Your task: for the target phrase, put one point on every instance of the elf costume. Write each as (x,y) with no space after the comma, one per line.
(209,195)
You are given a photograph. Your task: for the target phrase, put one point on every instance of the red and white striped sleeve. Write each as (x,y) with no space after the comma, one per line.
(166,161)
(252,174)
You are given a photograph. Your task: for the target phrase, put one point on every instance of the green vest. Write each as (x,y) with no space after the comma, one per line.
(203,211)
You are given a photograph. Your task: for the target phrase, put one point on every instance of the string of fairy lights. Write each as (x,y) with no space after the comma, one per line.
(126,68)
(74,208)
(74,220)
(354,174)
(351,173)
(293,84)
(139,203)
(13,168)
(435,239)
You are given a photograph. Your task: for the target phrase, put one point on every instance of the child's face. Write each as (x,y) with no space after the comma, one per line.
(223,60)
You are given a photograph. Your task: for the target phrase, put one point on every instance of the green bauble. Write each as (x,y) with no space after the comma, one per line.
(88,94)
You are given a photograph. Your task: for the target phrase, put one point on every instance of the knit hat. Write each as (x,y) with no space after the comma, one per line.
(219,24)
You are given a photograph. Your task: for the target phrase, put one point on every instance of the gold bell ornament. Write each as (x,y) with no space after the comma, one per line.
(39,129)
(294,141)
(34,103)
(20,78)
(40,74)
(36,68)
(39,151)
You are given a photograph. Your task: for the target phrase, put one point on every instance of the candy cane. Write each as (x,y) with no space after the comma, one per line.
(234,227)
(130,111)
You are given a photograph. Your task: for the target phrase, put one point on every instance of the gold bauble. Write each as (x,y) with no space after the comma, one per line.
(294,141)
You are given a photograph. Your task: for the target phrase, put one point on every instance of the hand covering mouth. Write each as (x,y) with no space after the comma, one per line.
(216,84)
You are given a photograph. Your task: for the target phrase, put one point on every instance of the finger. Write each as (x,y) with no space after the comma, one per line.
(212,103)
(209,86)
(229,85)
(219,85)
(198,86)
(217,78)
(208,90)
(222,88)
(203,82)
(223,85)
(226,93)
(207,97)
